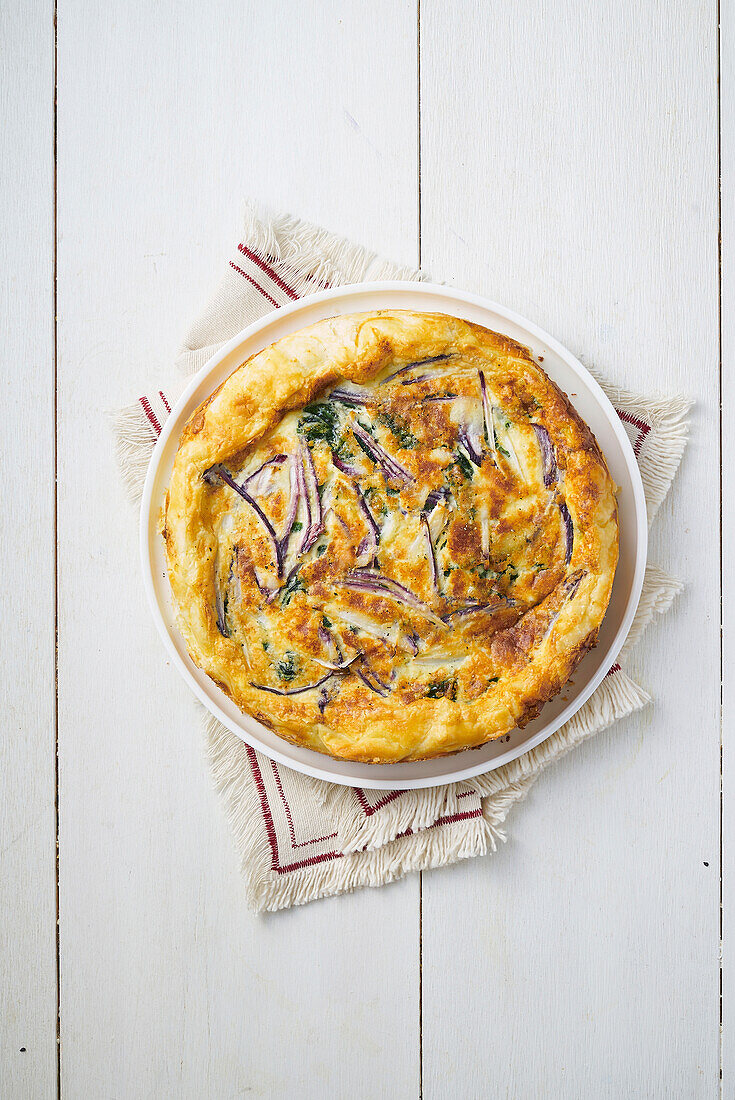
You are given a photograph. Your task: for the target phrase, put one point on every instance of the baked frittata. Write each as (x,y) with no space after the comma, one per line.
(390,536)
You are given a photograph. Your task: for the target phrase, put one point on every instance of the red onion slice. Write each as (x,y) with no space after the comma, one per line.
(572,584)
(330,642)
(387,687)
(364,580)
(378,688)
(367,550)
(322,700)
(381,579)
(487,414)
(293,691)
(568,532)
(415,381)
(548,460)
(264,587)
(219,471)
(365,509)
(387,463)
(345,468)
(481,608)
(434,497)
(314,504)
(432,555)
(418,363)
(296,489)
(353,397)
(465,439)
(220,609)
(369,671)
(281,588)
(336,667)
(275,461)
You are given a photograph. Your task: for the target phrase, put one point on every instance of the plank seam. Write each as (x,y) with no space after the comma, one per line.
(720,426)
(56,551)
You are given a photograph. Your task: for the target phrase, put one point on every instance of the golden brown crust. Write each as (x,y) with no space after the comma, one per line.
(495,619)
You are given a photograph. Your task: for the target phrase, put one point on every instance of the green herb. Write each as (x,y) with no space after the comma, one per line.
(509,570)
(266,646)
(493,680)
(465,465)
(287,667)
(484,572)
(441,688)
(326,623)
(363,447)
(539,565)
(297,526)
(320,421)
(399,429)
(293,584)
(372,495)
(391,491)
(502,450)
(343,451)
(321,549)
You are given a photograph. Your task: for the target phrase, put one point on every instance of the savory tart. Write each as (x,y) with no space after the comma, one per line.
(390,536)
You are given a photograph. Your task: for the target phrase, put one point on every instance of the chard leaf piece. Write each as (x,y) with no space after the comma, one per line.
(287,667)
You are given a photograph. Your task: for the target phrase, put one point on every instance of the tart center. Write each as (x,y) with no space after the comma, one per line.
(385,531)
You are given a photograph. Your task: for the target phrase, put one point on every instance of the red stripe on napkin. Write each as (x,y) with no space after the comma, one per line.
(264,267)
(257,286)
(294,842)
(152,419)
(641,425)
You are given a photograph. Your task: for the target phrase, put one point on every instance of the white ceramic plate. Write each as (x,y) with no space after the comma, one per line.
(587,398)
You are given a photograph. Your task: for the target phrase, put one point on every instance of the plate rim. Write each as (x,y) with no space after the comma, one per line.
(452,294)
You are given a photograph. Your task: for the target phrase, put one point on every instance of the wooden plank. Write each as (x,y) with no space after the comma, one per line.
(569,170)
(28,746)
(727,132)
(169,115)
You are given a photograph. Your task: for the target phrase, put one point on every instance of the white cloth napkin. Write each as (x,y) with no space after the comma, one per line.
(299,838)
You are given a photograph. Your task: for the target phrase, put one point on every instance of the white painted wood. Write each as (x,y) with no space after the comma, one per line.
(28,743)
(169,115)
(569,170)
(727,124)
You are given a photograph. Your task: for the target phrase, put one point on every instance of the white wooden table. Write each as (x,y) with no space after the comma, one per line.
(562,158)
